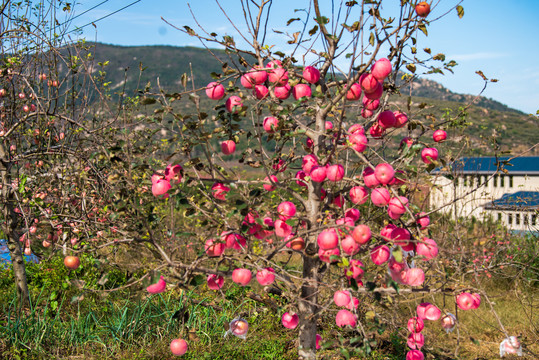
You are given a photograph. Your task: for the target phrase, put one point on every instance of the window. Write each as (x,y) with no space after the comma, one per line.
(517,219)
(478,179)
(502,181)
(495,180)
(484,179)
(511,181)
(457,180)
(465,178)
(510,219)
(525,218)
(499,216)
(534,219)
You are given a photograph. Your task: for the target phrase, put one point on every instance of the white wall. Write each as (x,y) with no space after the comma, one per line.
(470,203)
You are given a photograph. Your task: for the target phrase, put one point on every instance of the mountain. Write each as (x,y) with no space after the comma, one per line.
(133,67)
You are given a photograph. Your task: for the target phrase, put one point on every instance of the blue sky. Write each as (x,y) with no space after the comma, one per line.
(499,37)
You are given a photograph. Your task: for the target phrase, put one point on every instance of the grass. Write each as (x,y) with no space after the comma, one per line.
(133,325)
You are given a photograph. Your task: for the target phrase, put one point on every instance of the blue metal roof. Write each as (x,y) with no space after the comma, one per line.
(522,200)
(527,165)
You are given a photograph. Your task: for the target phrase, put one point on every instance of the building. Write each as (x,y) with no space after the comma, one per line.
(503,189)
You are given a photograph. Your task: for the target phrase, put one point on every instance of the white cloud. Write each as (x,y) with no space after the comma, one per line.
(477,56)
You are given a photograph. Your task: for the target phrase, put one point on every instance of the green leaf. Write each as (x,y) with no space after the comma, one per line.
(440,57)
(460,11)
(197,280)
(423,28)
(345,353)
(322,20)
(411,68)
(371,39)
(190,31)
(290,21)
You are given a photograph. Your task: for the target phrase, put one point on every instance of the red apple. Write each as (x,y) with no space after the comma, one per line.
(439,135)
(422,9)
(286,210)
(427,248)
(318,174)
(241,276)
(335,172)
(228,147)
(270,124)
(415,355)
(328,239)
(380,196)
(215,282)
(369,178)
(215,91)
(386,119)
(380,254)
(381,69)
(260,92)
(178,347)
(349,245)
(359,195)
(290,320)
(384,173)
(301,91)
(268,186)
(233,104)
(311,74)
(282,92)
(428,155)
(400,119)
(309,161)
(342,297)
(265,276)
(354,93)
(345,317)
(361,234)
(278,76)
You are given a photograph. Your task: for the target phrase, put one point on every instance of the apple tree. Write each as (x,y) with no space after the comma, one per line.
(313,156)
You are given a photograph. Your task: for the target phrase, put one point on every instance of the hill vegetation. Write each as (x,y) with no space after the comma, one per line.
(131,68)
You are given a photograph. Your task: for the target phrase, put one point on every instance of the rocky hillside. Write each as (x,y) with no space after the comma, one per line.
(134,67)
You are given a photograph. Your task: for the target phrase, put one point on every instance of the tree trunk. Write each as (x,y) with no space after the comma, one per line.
(9,228)
(308,309)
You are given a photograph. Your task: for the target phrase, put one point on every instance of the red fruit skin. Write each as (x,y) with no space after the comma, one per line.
(354,93)
(386,119)
(228,147)
(345,317)
(241,276)
(301,90)
(380,254)
(311,74)
(359,195)
(282,92)
(178,347)
(381,69)
(361,234)
(380,196)
(439,135)
(233,104)
(290,320)
(328,239)
(384,173)
(341,297)
(428,155)
(215,91)
(269,124)
(422,9)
